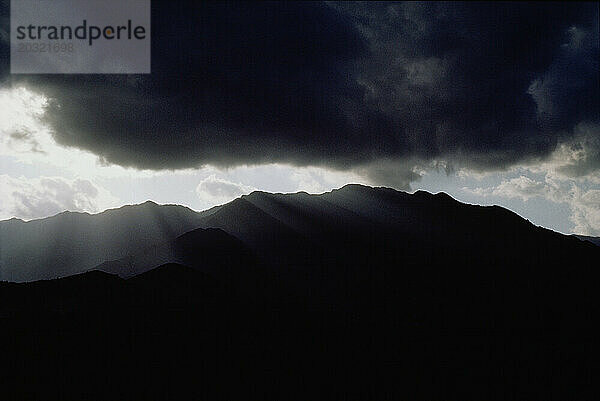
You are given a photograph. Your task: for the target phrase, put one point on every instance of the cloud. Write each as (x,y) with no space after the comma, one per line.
(569,175)
(213,190)
(578,158)
(45,196)
(397,173)
(20,114)
(26,139)
(584,202)
(586,212)
(386,88)
(522,187)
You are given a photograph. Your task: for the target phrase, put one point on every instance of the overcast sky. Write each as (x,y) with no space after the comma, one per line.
(491,103)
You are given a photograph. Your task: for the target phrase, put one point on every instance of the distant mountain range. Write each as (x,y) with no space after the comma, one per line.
(359,293)
(71,243)
(278,227)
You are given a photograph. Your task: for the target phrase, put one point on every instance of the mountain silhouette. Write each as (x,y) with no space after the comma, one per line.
(71,243)
(281,228)
(360,293)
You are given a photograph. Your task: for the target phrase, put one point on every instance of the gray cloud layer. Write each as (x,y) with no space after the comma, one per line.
(386,86)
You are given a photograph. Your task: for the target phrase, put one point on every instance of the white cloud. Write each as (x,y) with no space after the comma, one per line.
(586,212)
(521,187)
(577,159)
(570,175)
(20,120)
(319,180)
(584,204)
(45,196)
(214,191)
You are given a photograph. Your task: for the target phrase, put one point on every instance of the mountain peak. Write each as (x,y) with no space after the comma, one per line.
(439,195)
(355,187)
(13,220)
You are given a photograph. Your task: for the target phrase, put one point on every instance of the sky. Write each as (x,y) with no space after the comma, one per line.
(491,103)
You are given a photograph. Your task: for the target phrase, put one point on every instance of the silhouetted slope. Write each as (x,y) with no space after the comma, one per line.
(165,286)
(242,219)
(172,286)
(593,240)
(170,274)
(275,242)
(70,243)
(225,258)
(212,251)
(211,248)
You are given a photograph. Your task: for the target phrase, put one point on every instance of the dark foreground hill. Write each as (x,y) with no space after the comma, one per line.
(360,293)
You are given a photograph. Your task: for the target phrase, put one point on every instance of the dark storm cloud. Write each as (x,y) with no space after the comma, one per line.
(480,85)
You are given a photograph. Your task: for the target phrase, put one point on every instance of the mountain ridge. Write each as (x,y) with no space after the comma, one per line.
(70,243)
(215,208)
